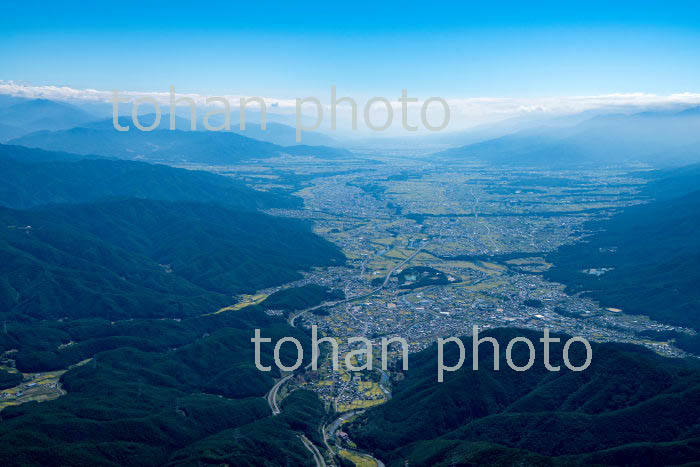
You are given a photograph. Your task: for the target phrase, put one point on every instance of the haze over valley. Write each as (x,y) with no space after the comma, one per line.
(516,287)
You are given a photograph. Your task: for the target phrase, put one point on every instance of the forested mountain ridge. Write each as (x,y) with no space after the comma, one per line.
(672,183)
(180,392)
(139,258)
(112,271)
(629,404)
(33,177)
(650,253)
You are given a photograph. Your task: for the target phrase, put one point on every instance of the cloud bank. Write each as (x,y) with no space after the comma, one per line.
(465,111)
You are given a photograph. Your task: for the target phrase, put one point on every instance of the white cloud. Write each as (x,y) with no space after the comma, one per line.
(465,112)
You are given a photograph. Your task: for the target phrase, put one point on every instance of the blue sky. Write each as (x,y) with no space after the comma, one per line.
(376,48)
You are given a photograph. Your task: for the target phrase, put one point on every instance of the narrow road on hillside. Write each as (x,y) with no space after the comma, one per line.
(320,461)
(272,395)
(271,398)
(335,426)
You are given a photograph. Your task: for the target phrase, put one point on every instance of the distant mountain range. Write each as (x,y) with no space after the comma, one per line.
(657,138)
(159,145)
(274,132)
(26,116)
(171,146)
(6,100)
(282,135)
(20,117)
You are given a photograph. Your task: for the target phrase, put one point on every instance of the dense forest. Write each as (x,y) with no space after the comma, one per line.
(144,258)
(654,274)
(299,298)
(630,405)
(169,389)
(33,177)
(113,270)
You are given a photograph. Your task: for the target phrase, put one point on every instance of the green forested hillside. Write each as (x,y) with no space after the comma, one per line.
(33,177)
(180,400)
(672,183)
(629,404)
(272,440)
(653,251)
(143,258)
(298,298)
(9,379)
(112,270)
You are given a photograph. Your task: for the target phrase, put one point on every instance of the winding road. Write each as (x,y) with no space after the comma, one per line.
(294,316)
(272,395)
(336,425)
(320,461)
(271,398)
